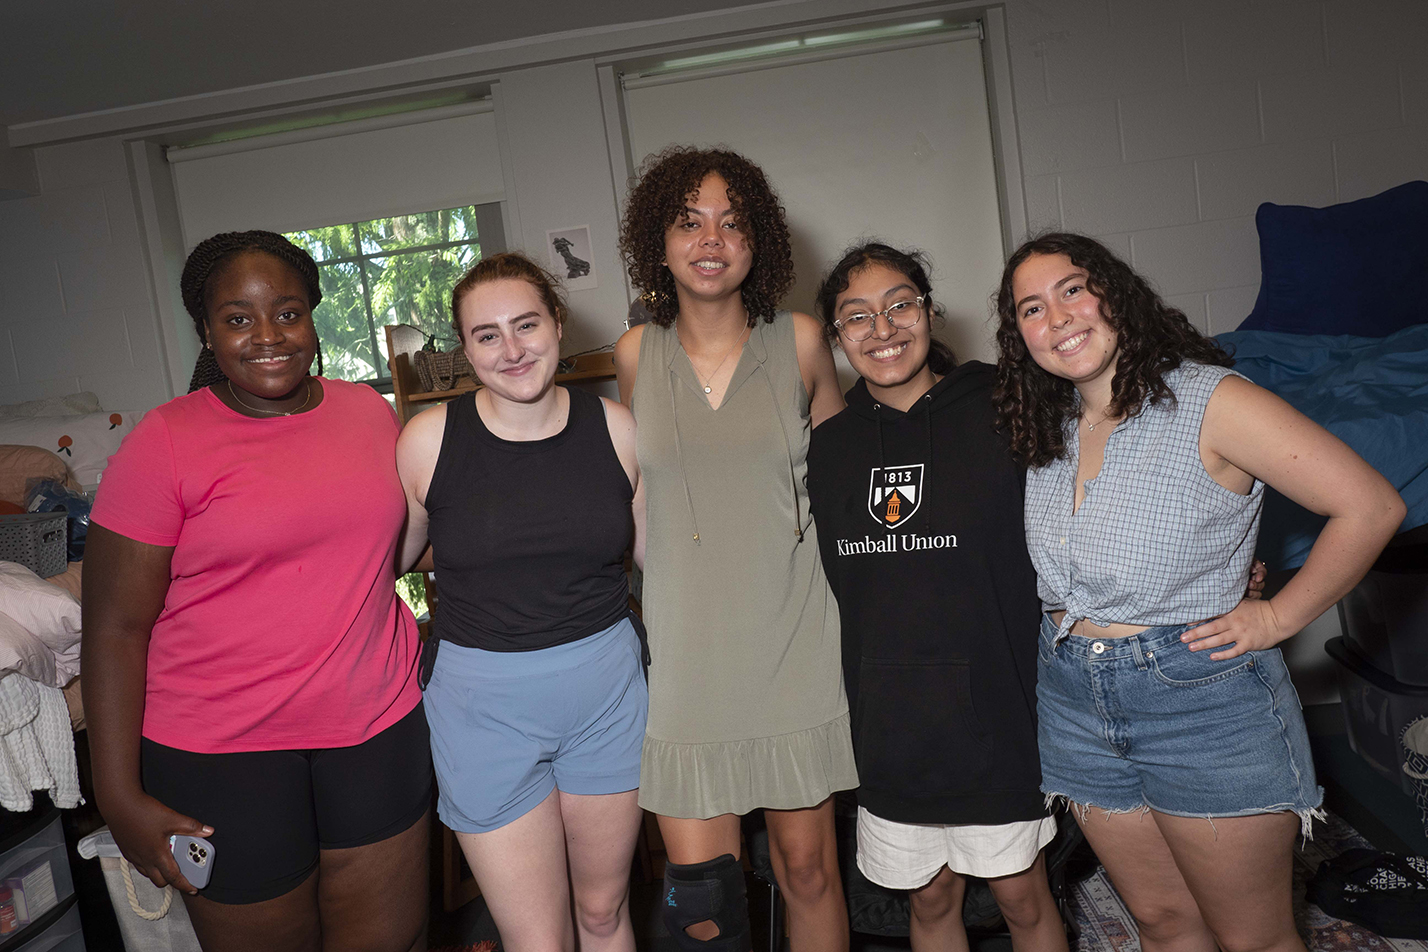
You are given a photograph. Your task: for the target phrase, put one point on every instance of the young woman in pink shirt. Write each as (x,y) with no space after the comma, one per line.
(250,673)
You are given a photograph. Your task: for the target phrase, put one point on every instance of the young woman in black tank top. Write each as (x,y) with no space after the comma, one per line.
(530,494)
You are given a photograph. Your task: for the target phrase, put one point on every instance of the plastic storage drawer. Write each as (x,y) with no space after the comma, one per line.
(1386,618)
(1377,708)
(34,866)
(64,934)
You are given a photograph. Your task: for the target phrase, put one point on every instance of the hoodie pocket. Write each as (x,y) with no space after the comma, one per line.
(917,719)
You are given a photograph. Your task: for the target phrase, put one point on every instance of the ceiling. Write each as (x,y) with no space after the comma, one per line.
(65,57)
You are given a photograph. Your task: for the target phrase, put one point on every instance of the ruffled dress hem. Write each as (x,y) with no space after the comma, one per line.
(785,772)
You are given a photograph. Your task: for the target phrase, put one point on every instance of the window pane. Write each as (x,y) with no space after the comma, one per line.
(425,228)
(415,288)
(342,327)
(408,281)
(324,244)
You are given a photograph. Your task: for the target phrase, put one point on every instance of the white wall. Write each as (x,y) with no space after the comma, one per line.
(76,308)
(1160,125)
(558,166)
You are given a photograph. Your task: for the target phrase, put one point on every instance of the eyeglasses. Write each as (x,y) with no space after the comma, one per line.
(900,314)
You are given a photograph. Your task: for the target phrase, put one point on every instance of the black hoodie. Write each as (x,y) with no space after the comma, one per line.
(919,520)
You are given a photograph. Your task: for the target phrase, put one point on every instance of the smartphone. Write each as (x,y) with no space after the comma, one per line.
(194,856)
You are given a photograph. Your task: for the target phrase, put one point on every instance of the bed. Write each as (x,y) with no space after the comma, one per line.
(68,440)
(1338,332)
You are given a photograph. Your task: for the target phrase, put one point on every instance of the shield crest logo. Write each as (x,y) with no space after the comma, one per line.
(894,493)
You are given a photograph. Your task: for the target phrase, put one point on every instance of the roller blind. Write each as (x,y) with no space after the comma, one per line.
(893,143)
(364,174)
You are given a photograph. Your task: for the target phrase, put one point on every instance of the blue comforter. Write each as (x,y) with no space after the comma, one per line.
(1370,392)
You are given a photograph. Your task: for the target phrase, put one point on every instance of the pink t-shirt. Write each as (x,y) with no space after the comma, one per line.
(281,628)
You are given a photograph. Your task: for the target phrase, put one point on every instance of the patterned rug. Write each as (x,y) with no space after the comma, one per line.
(1107,926)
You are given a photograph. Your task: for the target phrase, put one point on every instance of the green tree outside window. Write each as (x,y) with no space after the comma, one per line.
(386,271)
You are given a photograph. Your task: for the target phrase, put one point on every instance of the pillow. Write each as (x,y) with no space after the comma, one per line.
(70,579)
(84,442)
(1345,269)
(23,652)
(75,403)
(46,611)
(20,464)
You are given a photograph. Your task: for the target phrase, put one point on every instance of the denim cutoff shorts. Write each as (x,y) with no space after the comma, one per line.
(1144,722)
(508,727)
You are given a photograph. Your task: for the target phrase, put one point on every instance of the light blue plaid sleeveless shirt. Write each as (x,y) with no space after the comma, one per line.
(1156,540)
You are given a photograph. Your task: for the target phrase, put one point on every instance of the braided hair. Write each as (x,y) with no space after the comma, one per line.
(207,258)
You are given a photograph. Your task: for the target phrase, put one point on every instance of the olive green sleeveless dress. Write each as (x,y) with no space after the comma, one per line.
(747,708)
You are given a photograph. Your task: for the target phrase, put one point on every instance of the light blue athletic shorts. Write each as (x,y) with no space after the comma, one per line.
(508,727)
(1143,721)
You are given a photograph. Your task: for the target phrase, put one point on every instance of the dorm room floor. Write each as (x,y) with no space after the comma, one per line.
(1365,809)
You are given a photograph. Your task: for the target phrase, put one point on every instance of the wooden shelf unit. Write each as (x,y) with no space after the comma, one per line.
(403,341)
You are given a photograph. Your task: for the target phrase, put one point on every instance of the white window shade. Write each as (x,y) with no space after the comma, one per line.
(887,143)
(373,173)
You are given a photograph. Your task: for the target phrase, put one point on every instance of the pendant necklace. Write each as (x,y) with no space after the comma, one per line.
(1091,427)
(705,381)
(303,406)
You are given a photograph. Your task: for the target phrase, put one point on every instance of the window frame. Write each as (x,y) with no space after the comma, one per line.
(489,222)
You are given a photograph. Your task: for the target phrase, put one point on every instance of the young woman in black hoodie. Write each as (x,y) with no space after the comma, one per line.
(919,509)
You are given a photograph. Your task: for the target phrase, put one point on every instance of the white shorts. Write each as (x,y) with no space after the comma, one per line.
(908,855)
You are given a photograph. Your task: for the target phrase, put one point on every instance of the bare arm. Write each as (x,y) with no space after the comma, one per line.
(1250,431)
(815,363)
(417,450)
(627,361)
(622,434)
(125,584)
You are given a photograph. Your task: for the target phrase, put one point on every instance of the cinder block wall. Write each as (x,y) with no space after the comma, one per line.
(76,309)
(1160,125)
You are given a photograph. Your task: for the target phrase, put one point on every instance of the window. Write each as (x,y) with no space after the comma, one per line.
(390,271)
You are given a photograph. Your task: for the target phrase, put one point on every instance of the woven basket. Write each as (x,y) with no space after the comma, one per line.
(441,369)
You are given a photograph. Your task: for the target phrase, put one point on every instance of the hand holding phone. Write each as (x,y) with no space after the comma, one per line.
(194,856)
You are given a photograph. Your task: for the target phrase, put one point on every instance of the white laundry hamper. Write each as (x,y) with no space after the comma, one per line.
(150,919)
(1415,763)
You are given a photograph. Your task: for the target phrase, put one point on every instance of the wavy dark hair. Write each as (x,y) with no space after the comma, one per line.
(657,199)
(1033,406)
(911,264)
(207,257)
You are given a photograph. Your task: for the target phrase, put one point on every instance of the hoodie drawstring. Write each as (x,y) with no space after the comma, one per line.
(927,435)
(927,467)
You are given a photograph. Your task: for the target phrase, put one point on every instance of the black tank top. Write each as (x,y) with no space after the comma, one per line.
(529,538)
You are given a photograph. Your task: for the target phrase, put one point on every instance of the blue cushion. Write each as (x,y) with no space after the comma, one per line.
(1354,268)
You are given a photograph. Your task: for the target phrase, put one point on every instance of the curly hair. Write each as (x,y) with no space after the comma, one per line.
(207,257)
(911,264)
(1034,406)
(657,200)
(514,266)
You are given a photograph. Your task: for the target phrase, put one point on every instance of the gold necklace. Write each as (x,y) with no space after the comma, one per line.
(705,382)
(307,384)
